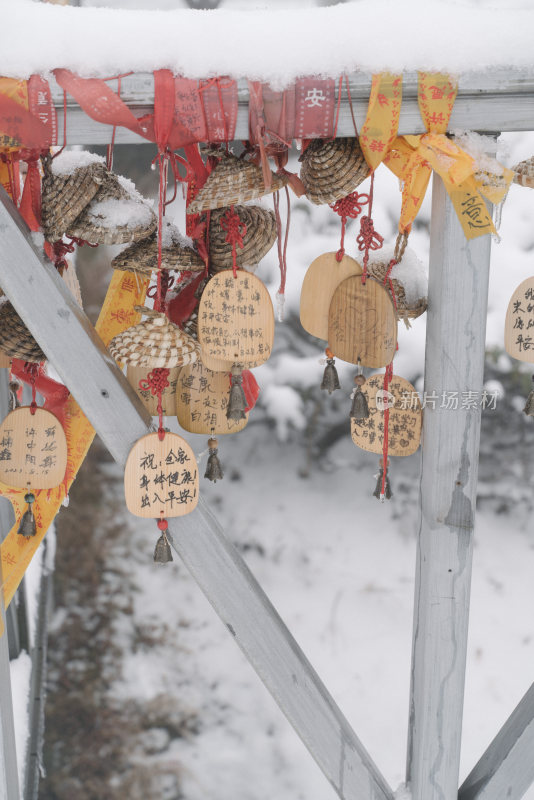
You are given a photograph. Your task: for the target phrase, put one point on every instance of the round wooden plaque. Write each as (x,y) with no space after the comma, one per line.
(320,282)
(161,477)
(149,400)
(214,364)
(33,449)
(202,399)
(405,418)
(519,325)
(236,319)
(361,323)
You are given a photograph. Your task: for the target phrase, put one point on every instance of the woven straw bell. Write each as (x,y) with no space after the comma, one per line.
(154,342)
(524,173)
(15,339)
(142,257)
(378,270)
(257,241)
(233,181)
(64,196)
(116,215)
(332,169)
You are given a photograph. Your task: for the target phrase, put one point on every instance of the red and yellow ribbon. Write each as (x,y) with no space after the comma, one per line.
(381,124)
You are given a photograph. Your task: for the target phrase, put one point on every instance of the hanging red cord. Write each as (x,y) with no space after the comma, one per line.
(368,239)
(388,375)
(157,381)
(349,207)
(235,230)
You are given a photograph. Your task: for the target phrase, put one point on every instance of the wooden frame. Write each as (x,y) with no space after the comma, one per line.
(457,294)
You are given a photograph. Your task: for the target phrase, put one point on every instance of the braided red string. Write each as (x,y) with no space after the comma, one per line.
(157,381)
(235,230)
(33,370)
(349,207)
(388,375)
(368,239)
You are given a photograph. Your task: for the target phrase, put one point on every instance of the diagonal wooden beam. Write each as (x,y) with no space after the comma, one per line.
(79,356)
(506,769)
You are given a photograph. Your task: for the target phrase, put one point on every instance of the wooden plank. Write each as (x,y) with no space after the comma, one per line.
(9,780)
(500,100)
(456,324)
(506,769)
(111,405)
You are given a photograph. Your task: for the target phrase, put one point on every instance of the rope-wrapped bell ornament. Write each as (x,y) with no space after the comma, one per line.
(529,405)
(213,467)
(383,487)
(330,380)
(27,527)
(238,403)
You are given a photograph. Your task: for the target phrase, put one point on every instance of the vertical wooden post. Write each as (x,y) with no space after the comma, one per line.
(455,346)
(9,781)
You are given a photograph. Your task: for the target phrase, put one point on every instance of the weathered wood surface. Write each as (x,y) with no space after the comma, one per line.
(506,769)
(9,781)
(501,100)
(456,324)
(322,278)
(33,449)
(78,355)
(519,322)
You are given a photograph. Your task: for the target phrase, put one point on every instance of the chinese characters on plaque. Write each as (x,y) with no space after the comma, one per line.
(161,477)
(33,449)
(405,418)
(519,325)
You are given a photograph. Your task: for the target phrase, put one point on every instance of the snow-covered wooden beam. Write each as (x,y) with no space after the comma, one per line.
(506,769)
(454,363)
(9,780)
(488,101)
(79,356)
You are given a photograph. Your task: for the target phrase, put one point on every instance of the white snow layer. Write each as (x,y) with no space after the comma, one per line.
(114,213)
(270,45)
(20,670)
(69,161)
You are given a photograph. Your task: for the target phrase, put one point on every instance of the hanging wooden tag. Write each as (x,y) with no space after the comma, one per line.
(236,319)
(361,323)
(320,282)
(215,364)
(519,325)
(161,477)
(5,361)
(202,399)
(33,449)
(405,417)
(149,400)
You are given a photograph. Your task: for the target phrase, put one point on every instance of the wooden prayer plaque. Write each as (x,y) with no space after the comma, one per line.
(320,282)
(33,449)
(149,400)
(519,325)
(161,477)
(236,319)
(405,418)
(202,399)
(362,324)
(5,361)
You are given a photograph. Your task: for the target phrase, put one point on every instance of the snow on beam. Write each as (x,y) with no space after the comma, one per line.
(454,362)
(506,769)
(497,100)
(79,356)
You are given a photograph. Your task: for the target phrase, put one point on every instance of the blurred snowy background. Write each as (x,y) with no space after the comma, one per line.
(148,696)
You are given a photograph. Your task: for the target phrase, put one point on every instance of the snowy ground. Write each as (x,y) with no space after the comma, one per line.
(338,566)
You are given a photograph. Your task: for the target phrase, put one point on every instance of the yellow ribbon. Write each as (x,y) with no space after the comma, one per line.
(125,291)
(413,158)
(382,121)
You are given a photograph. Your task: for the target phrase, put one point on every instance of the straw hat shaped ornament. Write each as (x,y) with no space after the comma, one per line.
(177,253)
(154,342)
(406,278)
(16,340)
(332,169)
(233,180)
(240,236)
(33,454)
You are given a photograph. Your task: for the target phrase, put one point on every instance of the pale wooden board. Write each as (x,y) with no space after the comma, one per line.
(236,319)
(202,399)
(33,449)
(362,323)
(150,401)
(519,324)
(161,477)
(405,418)
(214,363)
(320,282)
